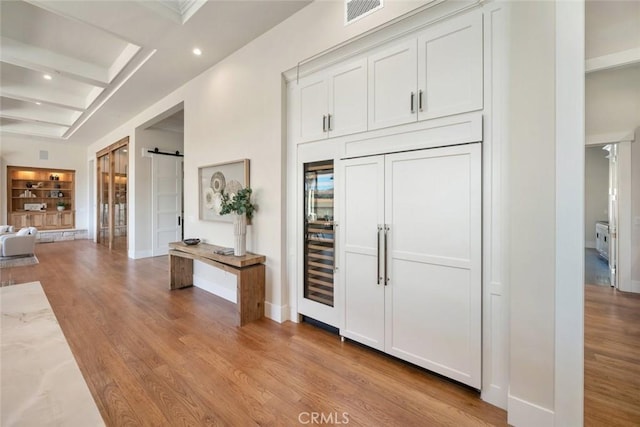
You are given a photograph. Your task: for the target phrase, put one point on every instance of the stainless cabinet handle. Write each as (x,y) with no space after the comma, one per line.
(420,100)
(335,246)
(324,123)
(413,108)
(386,255)
(329,122)
(378,259)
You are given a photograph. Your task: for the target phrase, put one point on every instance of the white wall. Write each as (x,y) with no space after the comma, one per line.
(613,101)
(140,239)
(235,110)
(25,151)
(596,191)
(530,118)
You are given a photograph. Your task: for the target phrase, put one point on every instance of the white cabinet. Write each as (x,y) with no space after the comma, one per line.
(450,67)
(392,85)
(438,74)
(411,257)
(602,239)
(333,102)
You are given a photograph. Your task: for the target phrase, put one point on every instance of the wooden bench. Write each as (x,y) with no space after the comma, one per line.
(248,269)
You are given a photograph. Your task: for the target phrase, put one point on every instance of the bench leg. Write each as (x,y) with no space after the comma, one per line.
(181,272)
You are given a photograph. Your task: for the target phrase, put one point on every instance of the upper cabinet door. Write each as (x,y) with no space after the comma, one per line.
(348,99)
(450,67)
(312,114)
(392,86)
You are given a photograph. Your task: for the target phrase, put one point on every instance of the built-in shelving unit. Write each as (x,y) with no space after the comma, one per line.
(34,194)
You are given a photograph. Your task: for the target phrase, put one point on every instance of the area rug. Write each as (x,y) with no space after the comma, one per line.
(40,382)
(8,262)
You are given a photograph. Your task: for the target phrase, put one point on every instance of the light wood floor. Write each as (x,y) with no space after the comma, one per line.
(611,357)
(155,357)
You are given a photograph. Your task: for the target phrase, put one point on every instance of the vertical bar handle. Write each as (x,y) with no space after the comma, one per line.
(378,258)
(179,220)
(335,246)
(328,122)
(324,123)
(412,104)
(386,254)
(420,100)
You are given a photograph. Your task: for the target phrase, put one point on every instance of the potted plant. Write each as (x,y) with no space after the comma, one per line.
(240,206)
(60,205)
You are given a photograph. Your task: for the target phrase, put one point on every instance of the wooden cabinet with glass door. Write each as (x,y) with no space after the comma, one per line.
(41,198)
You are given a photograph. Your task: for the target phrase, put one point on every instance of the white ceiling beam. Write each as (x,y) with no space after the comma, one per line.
(122,60)
(47,61)
(30,95)
(613,60)
(35,129)
(22,118)
(141,58)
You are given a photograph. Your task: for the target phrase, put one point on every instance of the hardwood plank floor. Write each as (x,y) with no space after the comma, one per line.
(611,357)
(155,357)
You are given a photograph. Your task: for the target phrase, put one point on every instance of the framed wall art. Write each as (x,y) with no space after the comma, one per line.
(213,180)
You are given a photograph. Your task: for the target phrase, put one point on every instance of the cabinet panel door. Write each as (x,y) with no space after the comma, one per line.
(348,99)
(392,81)
(313,107)
(363,210)
(433,297)
(450,67)
(67,219)
(36,220)
(52,219)
(19,220)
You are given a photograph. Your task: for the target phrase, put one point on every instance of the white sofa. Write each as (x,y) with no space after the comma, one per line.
(6,229)
(21,243)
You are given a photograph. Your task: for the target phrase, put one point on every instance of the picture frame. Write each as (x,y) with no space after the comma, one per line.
(212,180)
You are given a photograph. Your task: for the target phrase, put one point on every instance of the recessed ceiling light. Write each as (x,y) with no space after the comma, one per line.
(47,77)
(38,103)
(197,51)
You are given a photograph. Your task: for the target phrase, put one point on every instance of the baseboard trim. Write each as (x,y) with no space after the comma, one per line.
(526,414)
(635,286)
(140,254)
(214,288)
(495,396)
(278,313)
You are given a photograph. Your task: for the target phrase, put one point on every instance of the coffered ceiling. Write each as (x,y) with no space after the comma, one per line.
(75,70)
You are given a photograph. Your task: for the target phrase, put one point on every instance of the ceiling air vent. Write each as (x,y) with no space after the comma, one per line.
(356,9)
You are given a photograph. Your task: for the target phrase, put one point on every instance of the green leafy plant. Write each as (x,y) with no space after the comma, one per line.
(61,203)
(239,203)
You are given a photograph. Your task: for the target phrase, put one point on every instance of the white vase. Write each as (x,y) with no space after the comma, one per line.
(240,234)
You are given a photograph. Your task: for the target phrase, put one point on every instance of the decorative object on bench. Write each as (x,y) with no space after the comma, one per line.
(21,243)
(239,205)
(191,242)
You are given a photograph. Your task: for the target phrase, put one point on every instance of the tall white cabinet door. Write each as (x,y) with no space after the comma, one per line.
(433,297)
(312,117)
(392,86)
(360,254)
(348,99)
(450,67)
